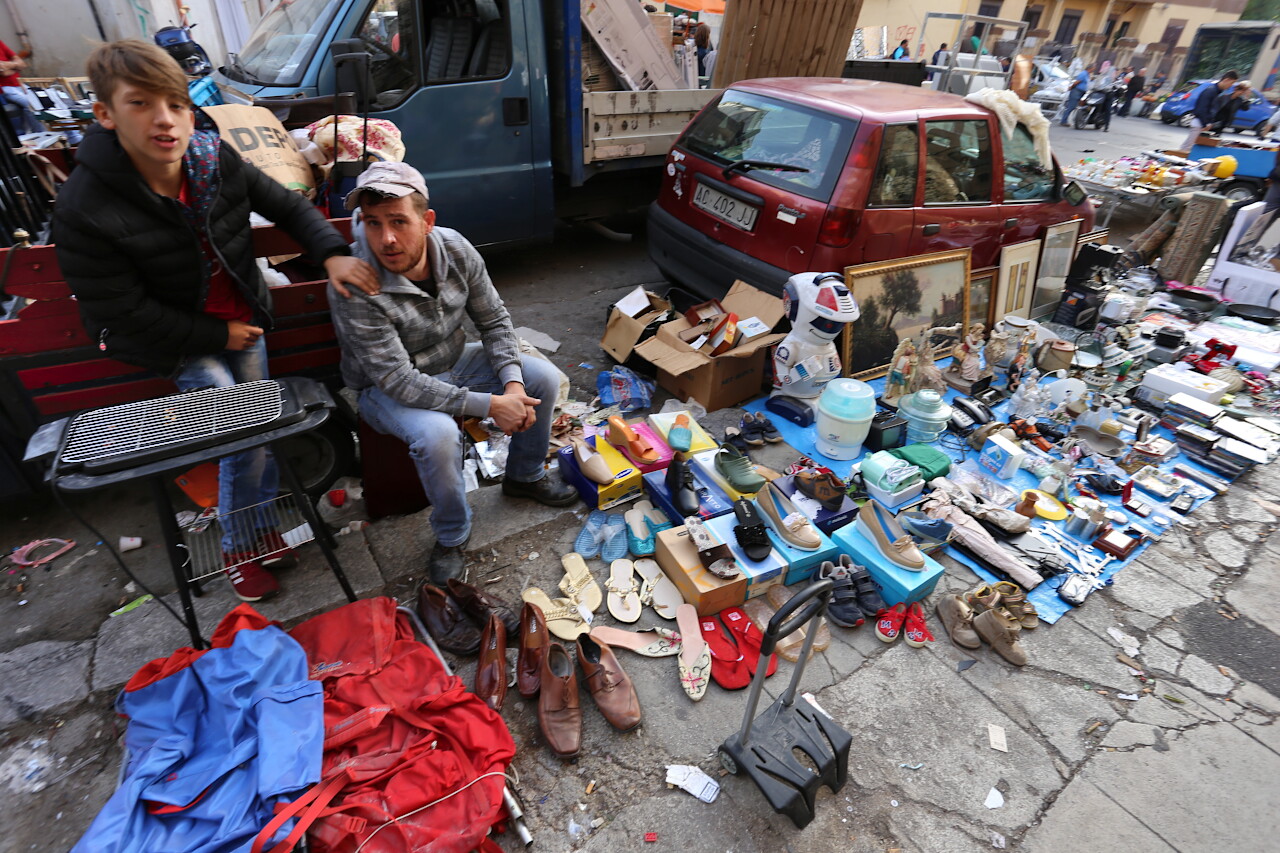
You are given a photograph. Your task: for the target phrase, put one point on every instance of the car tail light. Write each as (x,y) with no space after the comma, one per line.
(838,226)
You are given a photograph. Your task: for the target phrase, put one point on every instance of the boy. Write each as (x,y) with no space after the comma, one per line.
(152,234)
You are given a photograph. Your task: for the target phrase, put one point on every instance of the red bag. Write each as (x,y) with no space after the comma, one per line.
(400,733)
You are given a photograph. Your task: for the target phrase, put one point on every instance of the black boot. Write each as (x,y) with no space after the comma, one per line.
(445,562)
(680,486)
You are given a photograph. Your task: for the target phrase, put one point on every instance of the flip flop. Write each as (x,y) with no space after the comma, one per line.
(563,617)
(679,437)
(592,534)
(640,541)
(749,639)
(714,556)
(728,665)
(578,584)
(694,659)
(624,601)
(789,647)
(653,643)
(657,590)
(615,538)
(657,519)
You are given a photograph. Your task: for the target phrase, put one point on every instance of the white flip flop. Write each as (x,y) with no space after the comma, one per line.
(624,597)
(657,590)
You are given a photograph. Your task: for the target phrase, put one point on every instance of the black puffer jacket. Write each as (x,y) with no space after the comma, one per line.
(134,263)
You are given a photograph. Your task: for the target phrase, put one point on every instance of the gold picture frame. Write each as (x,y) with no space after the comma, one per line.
(1017,279)
(982,295)
(900,299)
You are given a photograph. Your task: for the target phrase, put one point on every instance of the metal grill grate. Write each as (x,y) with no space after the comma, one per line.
(203,537)
(181,419)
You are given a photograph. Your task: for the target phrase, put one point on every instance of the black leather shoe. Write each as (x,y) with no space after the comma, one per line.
(549,491)
(446,562)
(680,486)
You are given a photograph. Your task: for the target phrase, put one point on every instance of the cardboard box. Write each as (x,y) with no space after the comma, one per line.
(897,585)
(760,574)
(631,44)
(678,558)
(623,331)
(723,380)
(626,486)
(825,520)
(898,498)
(257,135)
(711,500)
(663,421)
(650,435)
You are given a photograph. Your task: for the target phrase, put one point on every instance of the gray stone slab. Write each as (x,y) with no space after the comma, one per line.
(1141,588)
(1170,637)
(1126,734)
(682,823)
(1257,594)
(1085,820)
(1208,772)
(1191,570)
(1158,657)
(1251,695)
(1266,733)
(928,830)
(42,678)
(908,707)
(1204,676)
(1073,651)
(1153,710)
(1239,505)
(1225,548)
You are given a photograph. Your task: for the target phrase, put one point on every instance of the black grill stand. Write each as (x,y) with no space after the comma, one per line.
(763,749)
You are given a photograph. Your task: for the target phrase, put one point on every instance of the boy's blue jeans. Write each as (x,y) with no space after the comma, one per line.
(248,478)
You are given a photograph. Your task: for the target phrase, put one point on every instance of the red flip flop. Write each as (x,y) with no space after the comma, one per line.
(749,639)
(728,667)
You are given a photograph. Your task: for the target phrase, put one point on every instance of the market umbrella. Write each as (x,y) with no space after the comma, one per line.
(714,7)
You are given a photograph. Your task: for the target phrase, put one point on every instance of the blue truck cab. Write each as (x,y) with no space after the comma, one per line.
(489,99)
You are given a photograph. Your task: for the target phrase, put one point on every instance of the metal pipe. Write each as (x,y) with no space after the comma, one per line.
(21,28)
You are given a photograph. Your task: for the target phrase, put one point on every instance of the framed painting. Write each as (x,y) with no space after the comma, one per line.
(1056,255)
(900,299)
(982,290)
(1102,235)
(1017,279)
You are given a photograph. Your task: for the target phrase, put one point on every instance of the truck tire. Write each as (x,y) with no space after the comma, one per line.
(1241,191)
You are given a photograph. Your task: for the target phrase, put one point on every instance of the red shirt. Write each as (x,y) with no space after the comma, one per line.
(224,301)
(7,55)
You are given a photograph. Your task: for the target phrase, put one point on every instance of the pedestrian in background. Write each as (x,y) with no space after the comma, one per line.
(1079,85)
(1227,104)
(702,41)
(16,93)
(901,51)
(1136,84)
(1203,109)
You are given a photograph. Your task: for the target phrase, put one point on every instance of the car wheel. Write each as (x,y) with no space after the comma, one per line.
(1165,118)
(1240,191)
(1184,120)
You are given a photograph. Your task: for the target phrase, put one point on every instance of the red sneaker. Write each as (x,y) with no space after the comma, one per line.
(250,581)
(273,552)
(889,622)
(916,632)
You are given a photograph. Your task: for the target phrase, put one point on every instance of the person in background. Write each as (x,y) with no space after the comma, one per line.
(1271,200)
(1075,91)
(1202,110)
(901,51)
(1227,104)
(702,41)
(939,55)
(16,93)
(1136,84)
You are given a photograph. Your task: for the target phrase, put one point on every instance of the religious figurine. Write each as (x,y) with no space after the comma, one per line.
(927,374)
(1029,397)
(997,349)
(901,370)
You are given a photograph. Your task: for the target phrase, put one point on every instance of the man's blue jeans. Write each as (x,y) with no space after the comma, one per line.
(245,479)
(435,442)
(1073,100)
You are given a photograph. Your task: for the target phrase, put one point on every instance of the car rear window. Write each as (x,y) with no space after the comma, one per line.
(746,126)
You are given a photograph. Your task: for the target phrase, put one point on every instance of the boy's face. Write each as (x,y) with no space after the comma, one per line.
(153,128)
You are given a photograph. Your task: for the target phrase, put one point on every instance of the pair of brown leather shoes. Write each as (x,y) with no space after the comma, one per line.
(560,706)
(455,618)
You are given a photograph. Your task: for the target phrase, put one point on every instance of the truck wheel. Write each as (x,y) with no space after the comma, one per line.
(1081,118)
(1240,191)
(1184,120)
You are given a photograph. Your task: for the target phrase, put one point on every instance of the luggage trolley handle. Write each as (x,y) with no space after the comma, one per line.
(811,602)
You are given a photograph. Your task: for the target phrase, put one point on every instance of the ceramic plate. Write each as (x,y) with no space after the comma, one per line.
(1047,506)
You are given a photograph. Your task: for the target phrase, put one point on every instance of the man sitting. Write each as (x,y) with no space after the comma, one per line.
(404,350)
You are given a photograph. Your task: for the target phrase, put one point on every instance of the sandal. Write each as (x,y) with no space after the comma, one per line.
(562,615)
(640,541)
(714,556)
(578,584)
(749,639)
(615,538)
(728,665)
(750,531)
(680,437)
(624,600)
(653,643)
(636,447)
(657,590)
(657,519)
(591,537)
(694,659)
(790,646)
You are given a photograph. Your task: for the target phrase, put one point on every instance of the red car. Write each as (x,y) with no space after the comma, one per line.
(789,174)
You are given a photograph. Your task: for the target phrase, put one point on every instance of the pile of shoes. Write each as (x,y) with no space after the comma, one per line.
(996,614)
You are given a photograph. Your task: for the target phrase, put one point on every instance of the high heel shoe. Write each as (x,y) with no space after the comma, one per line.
(590,463)
(626,439)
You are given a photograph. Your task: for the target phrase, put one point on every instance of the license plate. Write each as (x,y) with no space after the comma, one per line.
(737,213)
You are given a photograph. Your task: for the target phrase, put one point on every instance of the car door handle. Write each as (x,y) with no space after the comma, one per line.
(515,111)
(1010,223)
(932,228)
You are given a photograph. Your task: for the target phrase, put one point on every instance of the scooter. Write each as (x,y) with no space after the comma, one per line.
(1095,108)
(179,44)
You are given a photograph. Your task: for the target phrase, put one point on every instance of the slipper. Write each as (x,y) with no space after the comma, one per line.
(615,538)
(728,666)
(749,638)
(653,643)
(562,615)
(635,446)
(657,590)
(624,600)
(657,519)
(789,647)
(679,437)
(640,541)
(578,584)
(715,556)
(592,534)
(694,659)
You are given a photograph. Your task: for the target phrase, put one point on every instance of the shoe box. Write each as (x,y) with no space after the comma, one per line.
(825,520)
(709,594)
(890,500)
(760,575)
(897,585)
(712,500)
(705,464)
(802,565)
(627,484)
(650,435)
(663,421)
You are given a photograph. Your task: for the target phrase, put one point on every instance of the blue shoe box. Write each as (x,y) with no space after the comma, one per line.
(897,585)
(824,519)
(802,565)
(760,575)
(712,500)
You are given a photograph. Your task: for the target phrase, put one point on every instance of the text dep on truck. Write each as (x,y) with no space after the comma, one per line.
(489,100)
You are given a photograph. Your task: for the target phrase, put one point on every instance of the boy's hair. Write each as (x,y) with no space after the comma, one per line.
(137,63)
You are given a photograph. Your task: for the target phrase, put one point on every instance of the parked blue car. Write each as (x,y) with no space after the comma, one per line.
(1177,109)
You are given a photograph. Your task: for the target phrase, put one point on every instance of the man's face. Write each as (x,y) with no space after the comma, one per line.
(153,128)
(1224,83)
(397,233)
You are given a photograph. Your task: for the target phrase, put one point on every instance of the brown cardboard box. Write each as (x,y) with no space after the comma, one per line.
(622,332)
(708,593)
(726,379)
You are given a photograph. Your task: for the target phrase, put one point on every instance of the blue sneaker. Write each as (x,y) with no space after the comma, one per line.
(923,527)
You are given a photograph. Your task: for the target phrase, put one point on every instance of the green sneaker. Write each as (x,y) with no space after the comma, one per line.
(735,467)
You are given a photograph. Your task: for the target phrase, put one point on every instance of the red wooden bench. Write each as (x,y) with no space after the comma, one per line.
(49,368)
